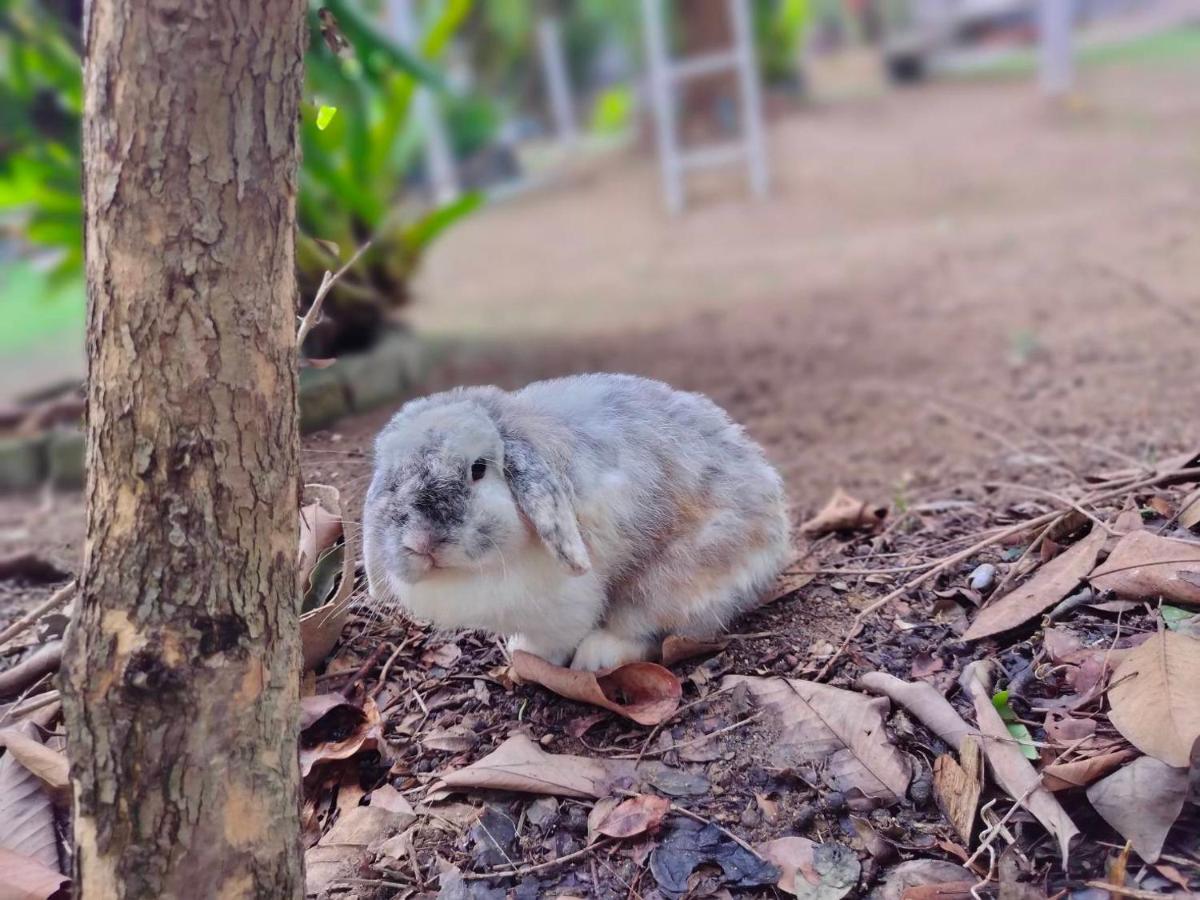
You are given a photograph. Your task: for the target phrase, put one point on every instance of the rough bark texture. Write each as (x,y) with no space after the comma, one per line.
(181,686)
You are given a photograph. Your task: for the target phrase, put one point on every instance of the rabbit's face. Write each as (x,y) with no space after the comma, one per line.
(439,499)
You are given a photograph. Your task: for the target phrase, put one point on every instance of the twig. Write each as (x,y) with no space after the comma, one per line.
(1052,495)
(697,740)
(387,668)
(540,867)
(1033,547)
(313,315)
(955,558)
(699,818)
(1135,893)
(19,709)
(57,599)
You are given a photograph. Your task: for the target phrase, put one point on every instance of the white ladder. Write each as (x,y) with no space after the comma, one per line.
(666,74)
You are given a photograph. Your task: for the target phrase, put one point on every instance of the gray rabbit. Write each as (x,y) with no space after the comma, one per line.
(583,517)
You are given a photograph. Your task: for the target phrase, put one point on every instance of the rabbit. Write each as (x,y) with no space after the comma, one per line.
(584,518)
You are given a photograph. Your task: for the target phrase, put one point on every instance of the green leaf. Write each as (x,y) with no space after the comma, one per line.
(1024,739)
(1000,701)
(325,115)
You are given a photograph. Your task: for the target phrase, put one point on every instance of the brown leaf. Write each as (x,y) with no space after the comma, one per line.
(33,668)
(387,797)
(957,787)
(1082,772)
(1067,730)
(519,764)
(580,726)
(25,878)
(325,865)
(320,628)
(450,740)
(916,873)
(1141,802)
(642,691)
(341,731)
(811,870)
(949,890)
(676,648)
(788,583)
(925,664)
(49,766)
(1155,703)
(1010,768)
(839,728)
(923,701)
(1145,566)
(444,655)
(364,825)
(1051,583)
(1189,510)
(844,513)
(26,815)
(628,818)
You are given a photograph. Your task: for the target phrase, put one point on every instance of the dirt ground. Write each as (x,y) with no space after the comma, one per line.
(947,287)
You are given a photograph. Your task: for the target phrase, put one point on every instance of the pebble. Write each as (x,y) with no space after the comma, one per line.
(983,576)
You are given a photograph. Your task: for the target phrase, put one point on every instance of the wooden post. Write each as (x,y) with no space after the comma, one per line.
(1056,21)
(665,125)
(558,80)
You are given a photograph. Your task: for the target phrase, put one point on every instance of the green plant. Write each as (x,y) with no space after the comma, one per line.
(780,27)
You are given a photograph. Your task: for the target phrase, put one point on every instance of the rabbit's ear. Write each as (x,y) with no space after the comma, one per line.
(545,498)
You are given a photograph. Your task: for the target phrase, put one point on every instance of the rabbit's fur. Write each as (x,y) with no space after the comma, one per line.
(583,517)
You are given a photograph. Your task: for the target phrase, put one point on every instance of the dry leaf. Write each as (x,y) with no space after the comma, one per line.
(1154,697)
(919,873)
(1051,583)
(519,764)
(642,691)
(1189,510)
(839,728)
(26,815)
(844,513)
(1141,802)
(320,628)
(957,787)
(1145,566)
(49,766)
(811,870)
(342,730)
(1010,768)
(923,701)
(1081,773)
(444,655)
(25,878)
(450,740)
(676,649)
(364,825)
(387,797)
(628,818)
(325,865)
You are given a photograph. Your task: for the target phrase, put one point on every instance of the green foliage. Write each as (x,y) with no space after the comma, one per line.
(613,111)
(780,27)
(1015,727)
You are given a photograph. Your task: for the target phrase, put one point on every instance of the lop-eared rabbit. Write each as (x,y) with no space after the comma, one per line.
(584,517)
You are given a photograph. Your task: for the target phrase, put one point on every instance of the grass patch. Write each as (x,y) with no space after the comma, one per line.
(34,306)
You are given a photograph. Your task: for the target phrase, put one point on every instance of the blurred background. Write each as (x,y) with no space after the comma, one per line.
(882,233)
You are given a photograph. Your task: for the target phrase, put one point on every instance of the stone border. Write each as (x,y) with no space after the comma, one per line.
(388,372)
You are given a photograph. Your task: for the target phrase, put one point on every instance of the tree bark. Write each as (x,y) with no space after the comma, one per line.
(181,684)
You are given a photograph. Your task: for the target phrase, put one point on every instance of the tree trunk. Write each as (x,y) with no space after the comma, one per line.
(182,671)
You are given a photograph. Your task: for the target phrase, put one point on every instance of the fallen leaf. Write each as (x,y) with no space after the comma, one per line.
(844,513)
(519,764)
(1011,770)
(1189,510)
(1145,566)
(788,583)
(1082,772)
(390,799)
(1161,505)
(1068,731)
(1141,802)
(676,648)
(768,807)
(814,871)
(321,627)
(922,700)
(918,873)
(26,814)
(1018,730)
(628,818)
(25,878)
(444,655)
(491,839)
(690,844)
(1173,875)
(341,731)
(49,766)
(450,740)
(580,726)
(925,664)
(675,782)
(1155,703)
(642,691)
(1181,620)
(957,787)
(325,865)
(364,825)
(1050,583)
(839,728)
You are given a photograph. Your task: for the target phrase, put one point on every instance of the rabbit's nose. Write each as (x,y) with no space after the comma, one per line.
(419,542)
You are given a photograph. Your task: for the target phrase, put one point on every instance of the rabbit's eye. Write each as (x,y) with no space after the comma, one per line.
(478,469)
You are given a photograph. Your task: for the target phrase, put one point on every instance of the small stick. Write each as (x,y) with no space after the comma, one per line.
(697,740)
(57,599)
(1135,893)
(725,831)
(17,710)
(387,668)
(540,867)
(311,317)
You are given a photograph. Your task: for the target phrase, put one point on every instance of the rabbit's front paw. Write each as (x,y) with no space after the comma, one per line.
(548,651)
(604,649)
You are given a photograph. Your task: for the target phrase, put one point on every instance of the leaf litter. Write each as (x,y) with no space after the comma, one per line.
(419,747)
